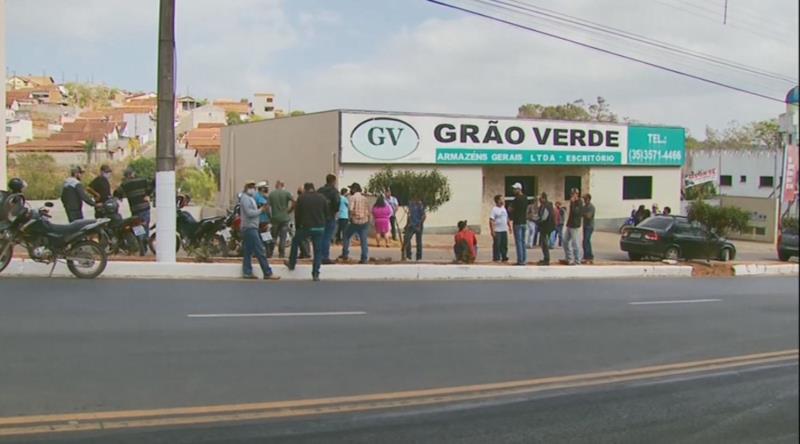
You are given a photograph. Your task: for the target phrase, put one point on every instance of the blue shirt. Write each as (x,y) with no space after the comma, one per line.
(344,208)
(261,201)
(416,212)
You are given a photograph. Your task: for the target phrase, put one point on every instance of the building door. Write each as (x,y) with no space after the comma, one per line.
(571,182)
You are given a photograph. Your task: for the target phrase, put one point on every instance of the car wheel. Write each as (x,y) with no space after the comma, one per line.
(634,256)
(672,253)
(784,256)
(725,255)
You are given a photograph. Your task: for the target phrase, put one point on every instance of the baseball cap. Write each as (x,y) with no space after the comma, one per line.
(262,184)
(517,186)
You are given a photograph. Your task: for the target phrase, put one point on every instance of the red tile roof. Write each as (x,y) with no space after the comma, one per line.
(48,145)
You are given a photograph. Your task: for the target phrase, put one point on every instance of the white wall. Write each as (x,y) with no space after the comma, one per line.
(466,191)
(203,114)
(737,163)
(605,185)
(18,131)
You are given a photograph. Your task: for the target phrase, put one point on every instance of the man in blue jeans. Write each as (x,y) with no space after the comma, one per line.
(250,213)
(519,216)
(330,193)
(311,215)
(588,229)
(359,223)
(414,227)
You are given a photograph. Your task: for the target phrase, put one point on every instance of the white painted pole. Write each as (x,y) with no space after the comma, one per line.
(165,135)
(3,166)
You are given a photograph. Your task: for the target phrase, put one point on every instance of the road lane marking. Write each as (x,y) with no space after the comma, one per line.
(59,423)
(677,301)
(276,315)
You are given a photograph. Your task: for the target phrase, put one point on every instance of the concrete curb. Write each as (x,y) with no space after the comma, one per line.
(400,272)
(765,270)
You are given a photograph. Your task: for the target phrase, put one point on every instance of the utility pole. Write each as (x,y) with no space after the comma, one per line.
(3,172)
(165,135)
(725,14)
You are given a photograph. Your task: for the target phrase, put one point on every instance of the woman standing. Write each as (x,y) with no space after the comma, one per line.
(382,213)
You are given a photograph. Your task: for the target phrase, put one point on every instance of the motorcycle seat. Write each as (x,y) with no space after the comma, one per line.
(64,230)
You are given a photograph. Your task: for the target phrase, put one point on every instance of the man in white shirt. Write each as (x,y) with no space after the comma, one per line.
(499,226)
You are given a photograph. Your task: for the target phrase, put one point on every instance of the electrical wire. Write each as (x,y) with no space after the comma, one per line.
(606,51)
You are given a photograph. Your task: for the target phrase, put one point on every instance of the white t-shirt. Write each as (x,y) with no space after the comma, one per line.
(500,217)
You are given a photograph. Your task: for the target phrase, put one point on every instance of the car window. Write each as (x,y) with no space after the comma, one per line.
(658,223)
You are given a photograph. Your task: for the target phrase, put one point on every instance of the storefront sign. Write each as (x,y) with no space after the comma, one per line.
(411,139)
(790,181)
(700,177)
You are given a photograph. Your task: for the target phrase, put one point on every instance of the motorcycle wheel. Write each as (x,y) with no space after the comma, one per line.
(152,242)
(6,253)
(129,244)
(218,247)
(87,260)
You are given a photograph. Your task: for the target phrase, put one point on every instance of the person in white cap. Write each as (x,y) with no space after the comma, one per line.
(519,217)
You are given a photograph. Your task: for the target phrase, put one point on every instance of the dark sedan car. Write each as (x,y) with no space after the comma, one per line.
(674,237)
(788,243)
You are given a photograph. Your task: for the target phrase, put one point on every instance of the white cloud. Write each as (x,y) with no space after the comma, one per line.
(471,65)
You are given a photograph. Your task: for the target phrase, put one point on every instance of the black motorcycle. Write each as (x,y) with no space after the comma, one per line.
(122,235)
(77,243)
(208,237)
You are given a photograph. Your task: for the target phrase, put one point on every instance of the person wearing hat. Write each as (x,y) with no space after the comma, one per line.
(137,190)
(73,195)
(519,217)
(252,245)
(281,204)
(359,223)
(572,251)
(262,200)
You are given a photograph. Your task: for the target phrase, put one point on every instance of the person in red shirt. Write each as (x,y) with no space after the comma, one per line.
(466,244)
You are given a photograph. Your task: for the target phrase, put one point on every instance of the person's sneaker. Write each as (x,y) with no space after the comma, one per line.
(504,260)
(248,276)
(543,263)
(271,277)
(288,265)
(327,262)
(363,262)
(315,277)
(563,262)
(587,262)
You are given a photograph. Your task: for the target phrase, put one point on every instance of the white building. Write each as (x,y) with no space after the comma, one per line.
(622,166)
(140,126)
(18,131)
(744,173)
(264,105)
(203,114)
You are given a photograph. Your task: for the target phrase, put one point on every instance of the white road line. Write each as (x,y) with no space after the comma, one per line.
(276,315)
(684,301)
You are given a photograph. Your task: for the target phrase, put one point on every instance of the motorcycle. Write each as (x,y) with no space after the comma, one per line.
(210,233)
(50,243)
(122,234)
(234,223)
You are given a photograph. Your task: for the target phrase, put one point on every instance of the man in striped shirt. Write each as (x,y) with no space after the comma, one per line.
(359,223)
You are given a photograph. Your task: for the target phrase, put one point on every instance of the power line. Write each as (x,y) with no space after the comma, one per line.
(535,9)
(606,51)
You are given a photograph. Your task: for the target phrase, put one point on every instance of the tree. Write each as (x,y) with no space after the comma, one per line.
(43,175)
(719,220)
(575,111)
(431,186)
(199,184)
(768,134)
(233,118)
(701,191)
(144,167)
(213,166)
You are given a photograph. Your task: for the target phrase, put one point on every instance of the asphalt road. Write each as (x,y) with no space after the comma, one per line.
(74,346)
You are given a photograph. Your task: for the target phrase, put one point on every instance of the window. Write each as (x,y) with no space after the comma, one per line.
(269,109)
(269,99)
(742,179)
(766,181)
(571,182)
(528,185)
(637,187)
(725,180)
(761,231)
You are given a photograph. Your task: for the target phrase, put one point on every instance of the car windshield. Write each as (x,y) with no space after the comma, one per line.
(658,223)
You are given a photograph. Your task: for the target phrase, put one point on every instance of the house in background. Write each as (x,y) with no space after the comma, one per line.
(64,152)
(18,131)
(205,114)
(185,104)
(19,82)
(241,108)
(740,172)
(264,105)
(140,126)
(200,142)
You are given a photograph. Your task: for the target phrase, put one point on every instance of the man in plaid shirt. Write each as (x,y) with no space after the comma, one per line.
(359,223)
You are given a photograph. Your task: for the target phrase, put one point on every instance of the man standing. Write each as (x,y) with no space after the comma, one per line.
(588,229)
(572,249)
(281,204)
(262,201)
(137,190)
(546,223)
(343,215)
(330,193)
(414,226)
(392,201)
(100,187)
(312,214)
(499,226)
(73,195)
(532,216)
(250,215)
(519,216)
(359,223)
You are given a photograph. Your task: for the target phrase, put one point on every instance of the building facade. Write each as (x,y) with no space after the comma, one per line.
(264,105)
(621,166)
(744,173)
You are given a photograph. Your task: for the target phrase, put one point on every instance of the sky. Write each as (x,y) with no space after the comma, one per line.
(414,55)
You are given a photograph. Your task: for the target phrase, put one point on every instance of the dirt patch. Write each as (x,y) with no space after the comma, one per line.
(713,269)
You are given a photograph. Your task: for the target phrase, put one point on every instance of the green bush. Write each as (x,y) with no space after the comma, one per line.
(701,191)
(44,177)
(144,167)
(431,186)
(719,220)
(213,166)
(200,185)
(789,222)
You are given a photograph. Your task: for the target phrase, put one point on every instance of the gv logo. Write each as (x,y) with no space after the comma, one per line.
(384,138)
